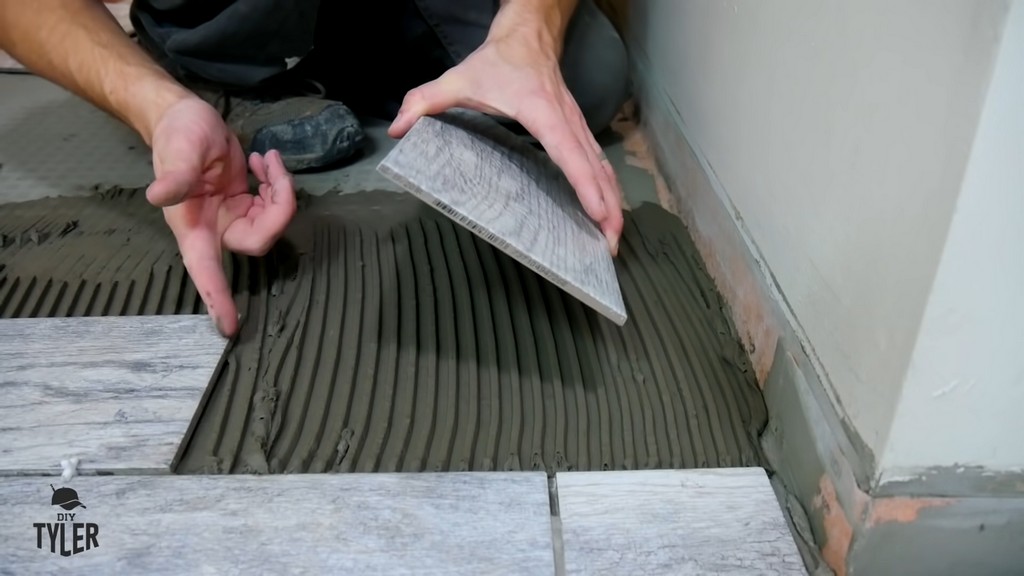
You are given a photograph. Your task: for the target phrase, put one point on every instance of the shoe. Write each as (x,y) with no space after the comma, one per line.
(309,131)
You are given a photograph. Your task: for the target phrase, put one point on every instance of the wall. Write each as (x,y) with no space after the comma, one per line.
(962,398)
(838,135)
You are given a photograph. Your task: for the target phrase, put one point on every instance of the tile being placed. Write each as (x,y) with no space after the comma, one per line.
(494,183)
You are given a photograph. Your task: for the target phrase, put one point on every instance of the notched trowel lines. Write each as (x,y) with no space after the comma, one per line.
(400,341)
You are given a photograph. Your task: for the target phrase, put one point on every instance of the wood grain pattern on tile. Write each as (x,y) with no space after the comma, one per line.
(494,183)
(119,393)
(393,524)
(679,522)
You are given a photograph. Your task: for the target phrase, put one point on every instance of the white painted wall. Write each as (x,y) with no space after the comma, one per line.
(963,399)
(839,133)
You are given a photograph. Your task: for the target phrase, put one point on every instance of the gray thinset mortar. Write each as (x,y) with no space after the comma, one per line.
(380,336)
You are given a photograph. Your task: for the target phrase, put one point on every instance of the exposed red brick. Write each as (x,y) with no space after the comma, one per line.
(727,265)
(902,509)
(838,531)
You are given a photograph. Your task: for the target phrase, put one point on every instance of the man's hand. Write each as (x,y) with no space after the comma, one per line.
(201,178)
(201,183)
(516,74)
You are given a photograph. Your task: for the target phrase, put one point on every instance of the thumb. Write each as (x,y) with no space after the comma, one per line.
(172,187)
(430,98)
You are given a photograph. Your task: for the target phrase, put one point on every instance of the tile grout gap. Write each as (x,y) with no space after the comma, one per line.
(557,543)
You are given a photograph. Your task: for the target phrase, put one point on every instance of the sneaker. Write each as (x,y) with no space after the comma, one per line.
(309,131)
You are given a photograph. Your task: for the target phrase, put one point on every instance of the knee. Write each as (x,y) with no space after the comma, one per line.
(595,66)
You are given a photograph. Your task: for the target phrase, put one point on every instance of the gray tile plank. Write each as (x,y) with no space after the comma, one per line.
(119,393)
(485,178)
(679,522)
(430,523)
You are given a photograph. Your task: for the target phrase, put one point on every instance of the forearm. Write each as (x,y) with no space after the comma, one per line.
(548,18)
(79,45)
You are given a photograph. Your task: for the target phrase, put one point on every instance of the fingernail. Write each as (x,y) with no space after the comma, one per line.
(614,242)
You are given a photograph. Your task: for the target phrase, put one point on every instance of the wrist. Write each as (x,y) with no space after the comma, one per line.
(541,21)
(144,102)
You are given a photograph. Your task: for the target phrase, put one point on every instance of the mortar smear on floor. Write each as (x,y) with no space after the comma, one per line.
(380,336)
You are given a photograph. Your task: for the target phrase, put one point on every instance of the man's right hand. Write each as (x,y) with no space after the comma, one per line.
(201,180)
(202,185)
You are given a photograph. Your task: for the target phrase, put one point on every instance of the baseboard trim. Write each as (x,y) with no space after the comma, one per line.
(763,319)
(824,477)
(824,473)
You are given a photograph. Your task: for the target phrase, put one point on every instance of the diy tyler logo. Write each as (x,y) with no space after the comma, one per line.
(65,536)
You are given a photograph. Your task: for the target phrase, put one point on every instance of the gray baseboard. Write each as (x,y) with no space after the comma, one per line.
(824,473)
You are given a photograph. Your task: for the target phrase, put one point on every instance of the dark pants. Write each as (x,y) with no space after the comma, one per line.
(367,54)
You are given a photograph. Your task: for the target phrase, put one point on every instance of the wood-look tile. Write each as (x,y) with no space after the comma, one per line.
(678,522)
(118,393)
(391,524)
(494,183)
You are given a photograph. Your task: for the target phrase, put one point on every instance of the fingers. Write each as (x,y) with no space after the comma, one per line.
(201,254)
(281,187)
(207,273)
(581,159)
(265,221)
(611,226)
(554,119)
(604,174)
(562,144)
(431,98)
(258,166)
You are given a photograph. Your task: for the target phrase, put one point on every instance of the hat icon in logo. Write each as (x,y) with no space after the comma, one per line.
(66,498)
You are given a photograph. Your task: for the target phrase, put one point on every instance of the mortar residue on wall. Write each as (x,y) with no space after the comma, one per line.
(379,336)
(685,189)
(639,155)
